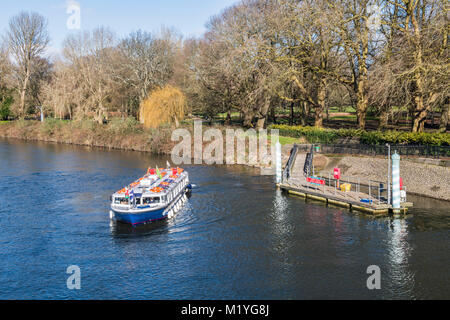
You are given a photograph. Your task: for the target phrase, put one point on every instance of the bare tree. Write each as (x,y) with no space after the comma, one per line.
(90,54)
(308,50)
(417,56)
(5,65)
(146,61)
(28,38)
(354,28)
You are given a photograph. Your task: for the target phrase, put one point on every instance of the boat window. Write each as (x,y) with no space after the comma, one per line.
(121,201)
(151,200)
(138,200)
(155,200)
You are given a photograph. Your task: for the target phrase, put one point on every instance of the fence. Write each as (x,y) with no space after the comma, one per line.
(290,163)
(376,190)
(406,151)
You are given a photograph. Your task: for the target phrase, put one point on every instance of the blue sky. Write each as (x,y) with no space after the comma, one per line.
(122,16)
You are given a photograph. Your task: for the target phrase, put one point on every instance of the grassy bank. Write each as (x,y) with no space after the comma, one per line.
(125,134)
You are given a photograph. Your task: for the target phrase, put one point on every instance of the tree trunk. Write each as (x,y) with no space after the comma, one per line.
(248,118)
(262,115)
(260,123)
(228,118)
(291,118)
(361,104)
(305,114)
(273,115)
(320,105)
(420,113)
(420,110)
(23,92)
(444,118)
(384,117)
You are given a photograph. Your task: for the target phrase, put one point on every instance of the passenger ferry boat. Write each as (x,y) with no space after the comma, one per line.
(158,195)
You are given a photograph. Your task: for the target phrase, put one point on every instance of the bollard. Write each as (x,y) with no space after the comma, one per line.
(359,186)
(379,196)
(278,162)
(396,182)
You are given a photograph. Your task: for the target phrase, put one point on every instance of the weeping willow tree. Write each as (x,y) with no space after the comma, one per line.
(165,105)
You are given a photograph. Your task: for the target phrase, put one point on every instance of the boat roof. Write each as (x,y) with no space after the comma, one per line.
(153,185)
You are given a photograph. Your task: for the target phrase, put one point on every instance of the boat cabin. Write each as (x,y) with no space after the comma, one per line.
(151,191)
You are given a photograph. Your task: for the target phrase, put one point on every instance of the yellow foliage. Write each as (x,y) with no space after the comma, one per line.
(165,105)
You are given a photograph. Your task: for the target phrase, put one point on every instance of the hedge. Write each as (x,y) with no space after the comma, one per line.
(324,135)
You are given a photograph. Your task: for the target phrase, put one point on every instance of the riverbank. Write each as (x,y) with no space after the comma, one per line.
(420,178)
(127,135)
(118,134)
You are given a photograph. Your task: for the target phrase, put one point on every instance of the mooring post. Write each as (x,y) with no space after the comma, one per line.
(379,199)
(396,182)
(359,186)
(278,162)
(389,172)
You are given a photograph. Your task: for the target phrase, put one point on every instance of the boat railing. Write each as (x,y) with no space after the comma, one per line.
(120,206)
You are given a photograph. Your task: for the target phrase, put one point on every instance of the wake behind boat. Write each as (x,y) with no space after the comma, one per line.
(158,195)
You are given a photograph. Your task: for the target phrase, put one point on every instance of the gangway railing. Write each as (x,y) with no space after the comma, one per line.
(292,157)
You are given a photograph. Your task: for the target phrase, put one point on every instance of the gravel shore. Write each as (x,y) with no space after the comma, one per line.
(421,179)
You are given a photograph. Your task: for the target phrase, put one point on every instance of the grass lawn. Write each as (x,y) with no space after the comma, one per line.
(283,140)
(348,109)
(351,118)
(289,140)
(234,115)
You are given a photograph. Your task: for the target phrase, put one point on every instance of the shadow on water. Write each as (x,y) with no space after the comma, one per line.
(123,230)
(430,214)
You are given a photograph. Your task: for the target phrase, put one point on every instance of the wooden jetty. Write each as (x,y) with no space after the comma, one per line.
(295,183)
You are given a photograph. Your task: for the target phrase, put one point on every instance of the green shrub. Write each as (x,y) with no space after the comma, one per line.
(50,126)
(124,126)
(397,137)
(320,135)
(311,134)
(22,123)
(5,111)
(84,124)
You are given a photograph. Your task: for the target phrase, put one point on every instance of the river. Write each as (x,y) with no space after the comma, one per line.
(237,237)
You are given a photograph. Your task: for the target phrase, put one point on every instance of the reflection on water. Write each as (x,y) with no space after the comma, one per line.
(123,230)
(236,238)
(402,278)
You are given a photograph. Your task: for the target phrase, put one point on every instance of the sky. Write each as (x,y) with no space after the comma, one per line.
(123,16)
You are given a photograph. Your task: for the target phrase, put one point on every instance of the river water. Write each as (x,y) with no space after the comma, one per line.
(237,238)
